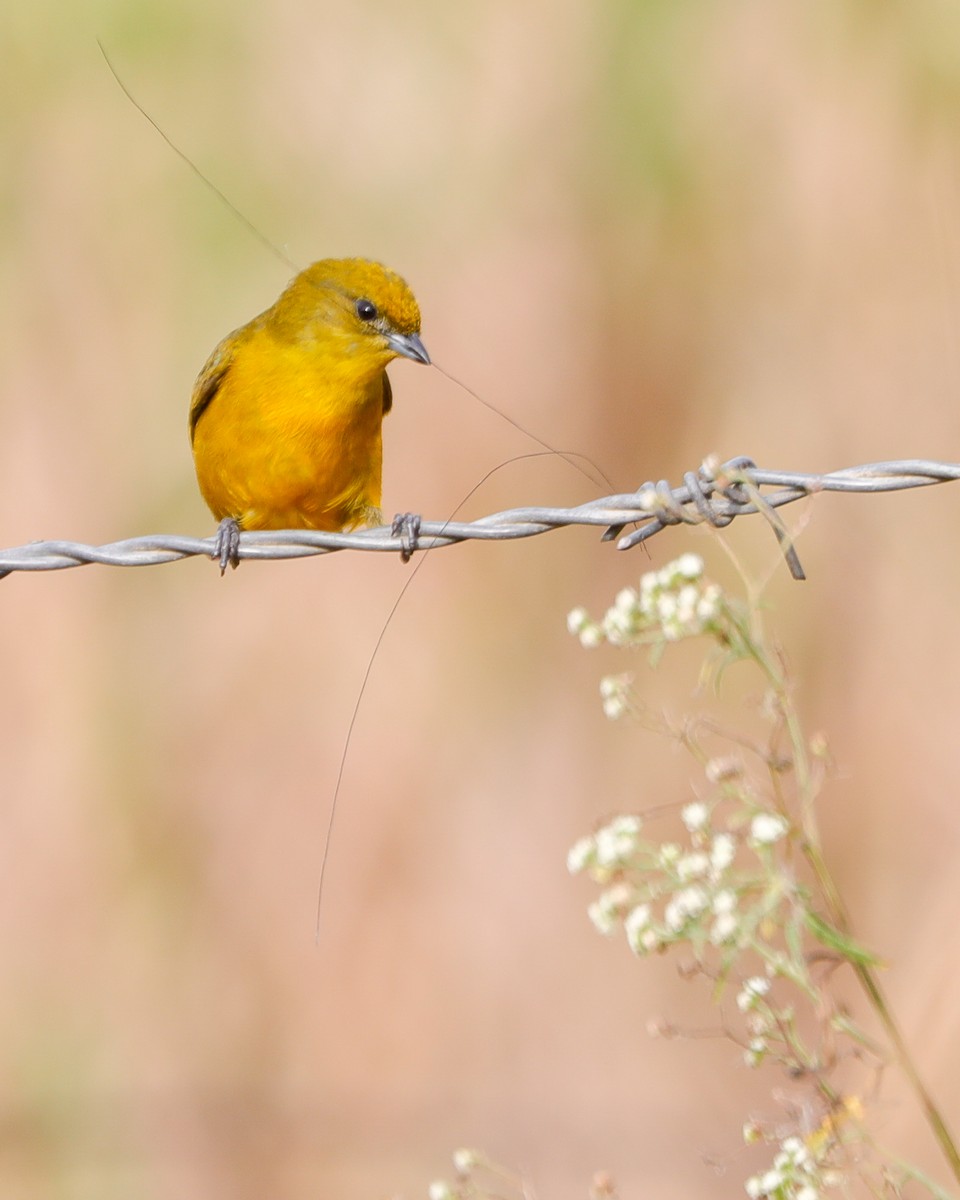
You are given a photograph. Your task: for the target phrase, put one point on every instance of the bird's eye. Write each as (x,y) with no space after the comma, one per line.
(366,310)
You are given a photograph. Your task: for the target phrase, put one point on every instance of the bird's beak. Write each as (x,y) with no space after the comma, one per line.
(409,346)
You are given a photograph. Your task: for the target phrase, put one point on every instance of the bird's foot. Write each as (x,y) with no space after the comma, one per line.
(226,545)
(406,526)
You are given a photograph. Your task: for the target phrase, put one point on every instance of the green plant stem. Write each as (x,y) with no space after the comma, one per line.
(871,986)
(923,1179)
(838,914)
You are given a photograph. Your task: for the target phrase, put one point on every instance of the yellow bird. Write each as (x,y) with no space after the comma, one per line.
(286,415)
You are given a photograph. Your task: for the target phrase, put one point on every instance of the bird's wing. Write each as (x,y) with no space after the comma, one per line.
(209,380)
(387,394)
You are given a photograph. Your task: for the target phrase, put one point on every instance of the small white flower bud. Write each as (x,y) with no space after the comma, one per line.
(695,816)
(577,618)
(464,1161)
(723,928)
(722,852)
(767,828)
(581,854)
(591,636)
(752,990)
(689,566)
(693,866)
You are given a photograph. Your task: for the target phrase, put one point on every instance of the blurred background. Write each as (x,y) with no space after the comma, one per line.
(648,231)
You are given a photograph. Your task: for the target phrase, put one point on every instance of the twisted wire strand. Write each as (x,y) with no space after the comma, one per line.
(716,494)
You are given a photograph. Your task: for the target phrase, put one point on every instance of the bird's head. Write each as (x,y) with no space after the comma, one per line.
(365,307)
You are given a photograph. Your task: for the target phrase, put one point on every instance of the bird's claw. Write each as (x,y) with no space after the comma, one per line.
(226,545)
(406,526)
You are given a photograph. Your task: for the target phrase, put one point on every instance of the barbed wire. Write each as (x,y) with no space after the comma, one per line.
(715,494)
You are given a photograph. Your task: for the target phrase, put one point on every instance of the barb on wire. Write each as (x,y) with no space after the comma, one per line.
(715,494)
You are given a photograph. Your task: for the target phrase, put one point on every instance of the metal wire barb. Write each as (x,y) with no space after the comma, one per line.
(715,493)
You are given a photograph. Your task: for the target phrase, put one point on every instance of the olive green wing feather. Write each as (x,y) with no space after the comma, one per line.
(209,380)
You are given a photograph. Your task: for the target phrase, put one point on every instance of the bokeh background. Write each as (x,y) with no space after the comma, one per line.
(648,231)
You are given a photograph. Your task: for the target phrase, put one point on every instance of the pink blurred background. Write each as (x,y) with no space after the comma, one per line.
(647,231)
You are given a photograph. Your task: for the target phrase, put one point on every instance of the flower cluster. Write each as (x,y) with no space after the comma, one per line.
(739,881)
(663,893)
(670,604)
(795,1175)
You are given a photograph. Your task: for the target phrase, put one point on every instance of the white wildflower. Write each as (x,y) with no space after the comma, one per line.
(636,926)
(622,618)
(591,636)
(646,601)
(754,1054)
(464,1160)
(606,912)
(674,917)
(617,626)
(724,902)
(603,917)
(693,866)
(722,852)
(687,600)
(614,692)
(695,816)
(626,601)
(666,607)
(796,1152)
(616,842)
(689,566)
(708,606)
(751,991)
(684,906)
(581,855)
(577,619)
(672,630)
(723,928)
(767,828)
